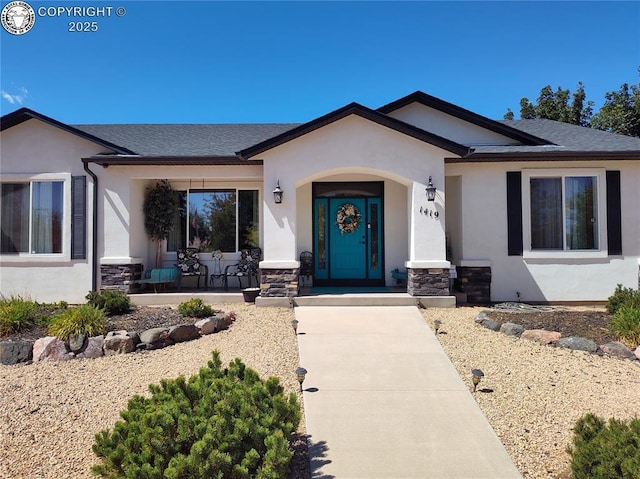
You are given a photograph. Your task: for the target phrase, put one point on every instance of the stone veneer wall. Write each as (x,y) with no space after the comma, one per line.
(428,281)
(121,276)
(276,283)
(475,281)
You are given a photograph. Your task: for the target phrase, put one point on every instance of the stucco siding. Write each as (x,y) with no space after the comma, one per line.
(358,149)
(448,126)
(33,150)
(539,276)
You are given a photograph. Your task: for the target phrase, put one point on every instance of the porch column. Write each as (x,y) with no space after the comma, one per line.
(427,267)
(280,268)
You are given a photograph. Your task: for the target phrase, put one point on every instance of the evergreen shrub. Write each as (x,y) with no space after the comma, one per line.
(604,450)
(195,308)
(622,296)
(220,423)
(112,301)
(17,314)
(84,319)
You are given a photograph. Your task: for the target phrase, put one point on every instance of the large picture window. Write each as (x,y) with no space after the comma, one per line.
(209,220)
(31,217)
(564,213)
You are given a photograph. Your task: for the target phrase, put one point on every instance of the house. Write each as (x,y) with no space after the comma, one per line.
(530,209)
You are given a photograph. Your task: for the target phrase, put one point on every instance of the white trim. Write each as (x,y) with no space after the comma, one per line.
(283,264)
(122,260)
(428,264)
(28,257)
(527,175)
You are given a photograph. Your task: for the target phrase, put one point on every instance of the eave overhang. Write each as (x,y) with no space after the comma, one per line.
(363,112)
(126,160)
(550,156)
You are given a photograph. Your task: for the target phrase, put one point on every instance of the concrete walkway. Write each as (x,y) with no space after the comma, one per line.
(382,400)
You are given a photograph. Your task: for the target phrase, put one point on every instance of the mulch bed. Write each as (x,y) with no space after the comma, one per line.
(138,319)
(587,324)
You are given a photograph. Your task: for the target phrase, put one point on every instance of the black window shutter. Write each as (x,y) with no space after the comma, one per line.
(514,213)
(614,213)
(78,217)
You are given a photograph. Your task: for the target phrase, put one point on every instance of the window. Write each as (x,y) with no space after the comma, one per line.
(31,217)
(209,220)
(564,213)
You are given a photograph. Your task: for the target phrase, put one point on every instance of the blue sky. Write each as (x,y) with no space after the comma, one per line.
(244,62)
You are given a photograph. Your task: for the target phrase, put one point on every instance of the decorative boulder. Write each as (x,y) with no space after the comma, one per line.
(94,348)
(577,344)
(512,329)
(617,349)
(14,352)
(50,348)
(154,335)
(183,332)
(491,324)
(207,325)
(541,336)
(118,342)
(228,317)
(637,352)
(76,342)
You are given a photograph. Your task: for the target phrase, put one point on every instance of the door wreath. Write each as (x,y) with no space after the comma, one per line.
(348,218)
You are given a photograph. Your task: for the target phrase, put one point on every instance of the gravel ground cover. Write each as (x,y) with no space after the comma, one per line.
(531,394)
(50,411)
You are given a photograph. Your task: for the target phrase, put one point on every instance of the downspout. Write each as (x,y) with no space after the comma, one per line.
(94,227)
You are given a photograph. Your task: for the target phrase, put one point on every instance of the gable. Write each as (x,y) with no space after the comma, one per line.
(372,116)
(36,146)
(22,115)
(448,126)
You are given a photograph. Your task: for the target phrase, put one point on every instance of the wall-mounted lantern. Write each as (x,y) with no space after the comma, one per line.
(277,193)
(431,191)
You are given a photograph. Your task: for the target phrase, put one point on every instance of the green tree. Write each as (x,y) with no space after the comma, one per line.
(619,114)
(621,111)
(555,105)
(160,207)
(220,210)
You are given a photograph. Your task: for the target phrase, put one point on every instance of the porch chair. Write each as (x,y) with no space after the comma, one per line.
(247,267)
(189,265)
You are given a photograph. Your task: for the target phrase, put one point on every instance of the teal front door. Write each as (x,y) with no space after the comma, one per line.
(348,241)
(347,246)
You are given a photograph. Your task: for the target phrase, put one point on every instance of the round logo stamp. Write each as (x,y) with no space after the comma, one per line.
(17,17)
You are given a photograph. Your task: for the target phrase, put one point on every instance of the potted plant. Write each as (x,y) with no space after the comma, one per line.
(160,208)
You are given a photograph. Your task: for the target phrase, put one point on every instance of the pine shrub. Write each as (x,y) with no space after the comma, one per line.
(195,308)
(220,423)
(605,450)
(626,325)
(84,319)
(112,301)
(623,296)
(17,314)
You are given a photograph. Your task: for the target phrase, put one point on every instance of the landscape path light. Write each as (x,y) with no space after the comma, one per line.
(294,325)
(477,376)
(301,373)
(436,325)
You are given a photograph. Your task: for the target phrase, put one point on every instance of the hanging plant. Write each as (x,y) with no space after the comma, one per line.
(348,218)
